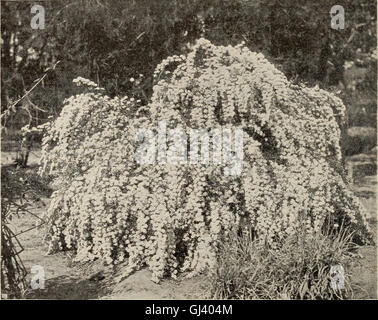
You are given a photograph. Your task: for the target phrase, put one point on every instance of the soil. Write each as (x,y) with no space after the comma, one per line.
(68,280)
(80,281)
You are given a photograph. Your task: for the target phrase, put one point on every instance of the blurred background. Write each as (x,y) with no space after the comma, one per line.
(113,41)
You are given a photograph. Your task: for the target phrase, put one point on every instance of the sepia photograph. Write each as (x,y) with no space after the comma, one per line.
(167,151)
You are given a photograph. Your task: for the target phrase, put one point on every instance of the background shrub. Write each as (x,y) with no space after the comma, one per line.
(359,140)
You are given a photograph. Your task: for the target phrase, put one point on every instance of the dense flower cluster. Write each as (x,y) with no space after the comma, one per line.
(172,217)
(86,83)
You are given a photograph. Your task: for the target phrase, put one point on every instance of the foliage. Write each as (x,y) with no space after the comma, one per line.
(172,217)
(19,190)
(301,269)
(360,93)
(110,41)
(359,140)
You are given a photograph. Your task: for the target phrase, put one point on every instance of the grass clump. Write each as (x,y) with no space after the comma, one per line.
(300,269)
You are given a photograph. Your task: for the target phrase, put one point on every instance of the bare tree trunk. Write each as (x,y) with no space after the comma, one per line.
(22,156)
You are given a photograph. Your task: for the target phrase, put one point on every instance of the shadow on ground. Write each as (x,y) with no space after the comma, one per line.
(68,288)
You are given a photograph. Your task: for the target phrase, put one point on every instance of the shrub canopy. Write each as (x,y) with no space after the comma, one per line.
(171,217)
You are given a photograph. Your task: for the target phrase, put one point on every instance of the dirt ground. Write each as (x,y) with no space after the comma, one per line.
(364,272)
(68,280)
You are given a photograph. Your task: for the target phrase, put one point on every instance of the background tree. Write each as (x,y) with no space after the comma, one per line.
(111,41)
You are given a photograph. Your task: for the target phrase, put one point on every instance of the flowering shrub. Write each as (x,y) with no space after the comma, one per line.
(172,217)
